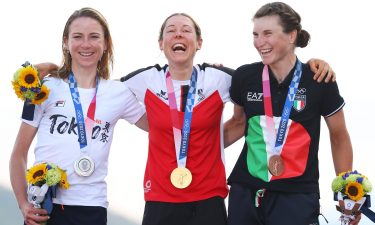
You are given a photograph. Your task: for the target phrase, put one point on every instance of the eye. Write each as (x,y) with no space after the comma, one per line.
(267,33)
(170,30)
(95,36)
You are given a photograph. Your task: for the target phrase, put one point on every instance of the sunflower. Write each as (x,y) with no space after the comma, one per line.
(17,90)
(41,96)
(36,174)
(64,179)
(354,191)
(28,77)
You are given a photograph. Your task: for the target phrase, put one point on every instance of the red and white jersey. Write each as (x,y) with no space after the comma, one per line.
(205,157)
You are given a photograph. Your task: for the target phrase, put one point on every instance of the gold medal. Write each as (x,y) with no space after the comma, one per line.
(276,165)
(181,177)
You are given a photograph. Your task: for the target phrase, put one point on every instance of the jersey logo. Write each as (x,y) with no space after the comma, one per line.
(60,103)
(147,186)
(300,100)
(254,97)
(201,95)
(162,94)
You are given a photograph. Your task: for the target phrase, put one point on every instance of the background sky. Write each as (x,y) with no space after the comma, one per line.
(342,34)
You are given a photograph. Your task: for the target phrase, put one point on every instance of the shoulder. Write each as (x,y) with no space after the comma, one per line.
(306,71)
(219,69)
(253,67)
(111,85)
(53,82)
(143,71)
(249,71)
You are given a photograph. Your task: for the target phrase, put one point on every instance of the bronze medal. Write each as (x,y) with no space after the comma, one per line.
(276,165)
(181,177)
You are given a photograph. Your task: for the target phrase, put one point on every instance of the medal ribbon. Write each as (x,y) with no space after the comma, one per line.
(181,138)
(82,124)
(270,125)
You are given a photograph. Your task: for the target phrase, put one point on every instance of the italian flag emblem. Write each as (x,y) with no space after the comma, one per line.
(299,102)
(294,153)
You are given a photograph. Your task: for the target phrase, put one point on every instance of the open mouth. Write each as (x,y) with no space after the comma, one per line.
(86,53)
(179,47)
(265,51)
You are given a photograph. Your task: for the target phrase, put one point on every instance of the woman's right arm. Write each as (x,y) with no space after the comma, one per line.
(46,68)
(17,168)
(234,128)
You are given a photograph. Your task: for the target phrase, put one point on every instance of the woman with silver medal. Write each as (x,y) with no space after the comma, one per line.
(75,125)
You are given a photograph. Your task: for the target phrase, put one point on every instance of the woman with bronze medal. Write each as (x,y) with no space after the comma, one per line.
(74,125)
(275,180)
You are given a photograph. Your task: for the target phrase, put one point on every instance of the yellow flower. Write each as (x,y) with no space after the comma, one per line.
(64,179)
(354,191)
(17,90)
(43,95)
(28,77)
(36,173)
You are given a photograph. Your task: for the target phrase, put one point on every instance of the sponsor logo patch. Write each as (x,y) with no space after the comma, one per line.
(254,97)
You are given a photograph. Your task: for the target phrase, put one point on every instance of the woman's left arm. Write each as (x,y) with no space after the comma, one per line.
(322,70)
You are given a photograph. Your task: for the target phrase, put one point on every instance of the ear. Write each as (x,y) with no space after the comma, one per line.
(161,45)
(293,37)
(65,44)
(200,42)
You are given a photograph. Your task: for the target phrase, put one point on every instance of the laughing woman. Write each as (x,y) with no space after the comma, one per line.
(275,180)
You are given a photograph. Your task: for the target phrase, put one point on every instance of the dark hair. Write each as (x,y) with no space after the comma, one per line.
(196,26)
(289,19)
(106,62)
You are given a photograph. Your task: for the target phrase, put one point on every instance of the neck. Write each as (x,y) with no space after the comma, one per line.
(282,68)
(85,78)
(181,72)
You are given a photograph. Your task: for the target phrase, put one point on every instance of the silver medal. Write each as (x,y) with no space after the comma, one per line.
(84,166)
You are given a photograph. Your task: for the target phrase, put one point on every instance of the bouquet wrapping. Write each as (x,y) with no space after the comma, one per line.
(43,180)
(351,191)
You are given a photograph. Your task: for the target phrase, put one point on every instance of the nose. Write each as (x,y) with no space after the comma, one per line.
(178,34)
(86,42)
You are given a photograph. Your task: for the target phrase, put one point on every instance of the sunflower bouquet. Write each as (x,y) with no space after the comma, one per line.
(28,86)
(43,180)
(351,189)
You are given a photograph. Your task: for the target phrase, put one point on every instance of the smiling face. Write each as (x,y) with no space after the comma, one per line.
(272,43)
(179,40)
(85,42)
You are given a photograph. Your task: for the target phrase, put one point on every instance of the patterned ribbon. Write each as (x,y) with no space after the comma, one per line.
(90,120)
(283,125)
(181,138)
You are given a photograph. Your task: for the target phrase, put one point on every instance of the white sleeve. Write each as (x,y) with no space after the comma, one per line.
(32,114)
(134,110)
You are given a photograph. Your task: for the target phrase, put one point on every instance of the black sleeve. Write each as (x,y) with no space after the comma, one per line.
(236,87)
(332,100)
